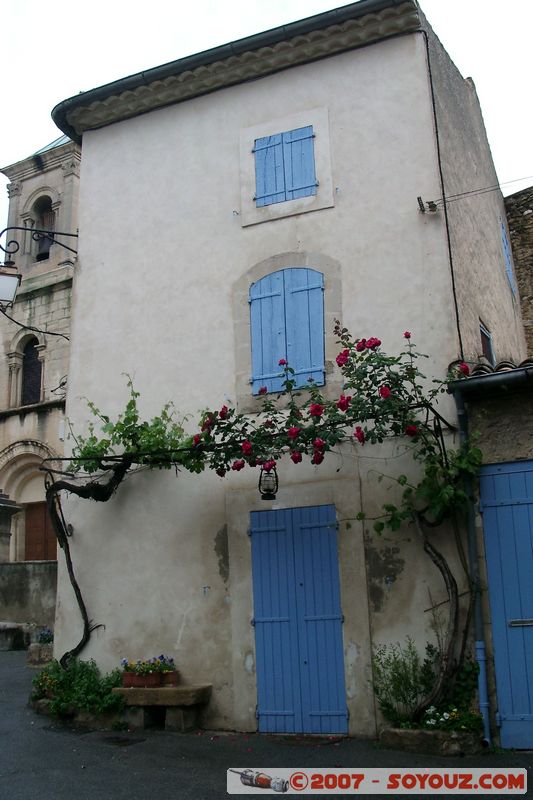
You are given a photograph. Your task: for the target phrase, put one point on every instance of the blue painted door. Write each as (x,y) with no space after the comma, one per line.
(298,621)
(507,507)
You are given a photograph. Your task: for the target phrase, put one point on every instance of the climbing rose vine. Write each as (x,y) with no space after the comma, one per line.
(383,396)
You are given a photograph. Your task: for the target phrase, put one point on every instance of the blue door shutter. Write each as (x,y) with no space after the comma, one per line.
(507,506)
(298,621)
(287,321)
(267,320)
(284,166)
(304,318)
(276,636)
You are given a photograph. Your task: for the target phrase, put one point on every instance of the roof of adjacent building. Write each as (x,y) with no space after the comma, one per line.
(56,143)
(322,35)
(487,379)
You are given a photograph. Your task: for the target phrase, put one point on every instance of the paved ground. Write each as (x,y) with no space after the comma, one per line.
(45,761)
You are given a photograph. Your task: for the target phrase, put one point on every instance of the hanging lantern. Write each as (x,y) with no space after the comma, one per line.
(268,483)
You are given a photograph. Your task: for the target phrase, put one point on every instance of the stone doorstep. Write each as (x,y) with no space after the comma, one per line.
(166,695)
(438,743)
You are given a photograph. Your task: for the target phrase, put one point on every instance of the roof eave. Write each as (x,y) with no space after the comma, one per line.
(89,110)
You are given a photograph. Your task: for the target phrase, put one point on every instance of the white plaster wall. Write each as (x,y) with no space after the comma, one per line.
(161,246)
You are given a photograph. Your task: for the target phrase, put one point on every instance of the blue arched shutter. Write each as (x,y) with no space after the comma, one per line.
(287,321)
(269,343)
(304,323)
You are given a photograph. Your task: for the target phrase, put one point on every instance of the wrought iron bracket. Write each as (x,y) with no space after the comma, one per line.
(11,246)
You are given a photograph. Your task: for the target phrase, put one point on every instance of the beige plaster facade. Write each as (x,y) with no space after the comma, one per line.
(43,193)
(165,566)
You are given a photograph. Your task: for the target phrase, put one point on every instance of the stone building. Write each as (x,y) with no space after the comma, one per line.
(519,207)
(43,194)
(312,161)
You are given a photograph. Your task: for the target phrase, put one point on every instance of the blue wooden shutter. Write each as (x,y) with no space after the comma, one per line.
(276,634)
(299,163)
(284,166)
(298,621)
(320,620)
(508,257)
(507,507)
(269,171)
(304,320)
(267,319)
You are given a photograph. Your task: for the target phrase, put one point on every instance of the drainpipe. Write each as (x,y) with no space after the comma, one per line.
(473,559)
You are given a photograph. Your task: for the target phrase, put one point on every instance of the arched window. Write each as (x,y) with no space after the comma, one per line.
(287,321)
(44,220)
(31,374)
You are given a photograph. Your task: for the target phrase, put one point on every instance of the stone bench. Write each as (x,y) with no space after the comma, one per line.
(179,704)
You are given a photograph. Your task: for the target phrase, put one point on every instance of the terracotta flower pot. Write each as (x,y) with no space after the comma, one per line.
(170,678)
(150,680)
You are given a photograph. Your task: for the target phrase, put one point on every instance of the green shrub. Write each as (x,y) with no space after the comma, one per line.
(80,687)
(402,679)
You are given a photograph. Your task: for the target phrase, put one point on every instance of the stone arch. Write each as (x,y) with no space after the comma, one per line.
(331,269)
(42,191)
(15,362)
(22,480)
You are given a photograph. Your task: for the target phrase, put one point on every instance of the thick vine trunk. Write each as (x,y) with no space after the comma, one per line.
(94,491)
(448,663)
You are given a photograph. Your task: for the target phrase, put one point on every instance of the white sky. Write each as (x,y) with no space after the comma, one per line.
(51,52)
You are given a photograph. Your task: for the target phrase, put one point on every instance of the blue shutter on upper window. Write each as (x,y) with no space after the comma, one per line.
(287,321)
(284,166)
(269,343)
(508,257)
(299,163)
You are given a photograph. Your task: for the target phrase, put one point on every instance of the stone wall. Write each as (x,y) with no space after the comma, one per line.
(505,426)
(28,592)
(519,208)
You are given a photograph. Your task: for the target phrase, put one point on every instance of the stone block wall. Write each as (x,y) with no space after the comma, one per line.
(519,207)
(28,592)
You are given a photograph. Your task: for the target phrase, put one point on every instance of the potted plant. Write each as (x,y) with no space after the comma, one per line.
(149,673)
(169,674)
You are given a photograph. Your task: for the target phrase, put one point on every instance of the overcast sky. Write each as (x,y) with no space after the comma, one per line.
(49,53)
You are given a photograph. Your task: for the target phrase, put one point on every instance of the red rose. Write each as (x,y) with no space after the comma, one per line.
(407,334)
(464,369)
(342,358)
(411,430)
(196,439)
(207,423)
(296,456)
(238,465)
(359,434)
(268,466)
(384,392)
(343,402)
(220,472)
(263,390)
(316,410)
(372,343)
(223,413)
(360,345)
(319,444)
(246,447)
(293,432)
(282,362)
(318,458)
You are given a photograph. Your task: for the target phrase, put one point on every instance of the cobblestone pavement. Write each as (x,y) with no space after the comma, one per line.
(48,761)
